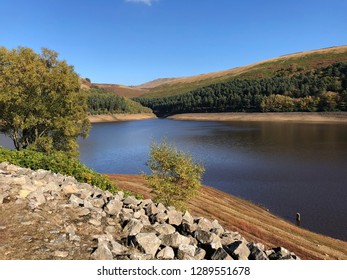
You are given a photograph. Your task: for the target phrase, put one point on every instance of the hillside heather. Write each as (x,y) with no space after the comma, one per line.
(45,215)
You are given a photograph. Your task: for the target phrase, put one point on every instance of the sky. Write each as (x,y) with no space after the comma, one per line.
(134,41)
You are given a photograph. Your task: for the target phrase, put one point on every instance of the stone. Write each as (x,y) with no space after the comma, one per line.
(228,238)
(174,217)
(133,227)
(221,254)
(151,209)
(256,252)
(204,224)
(238,250)
(126,214)
(70,189)
(84,212)
(217,228)
(138,214)
(279,253)
(36,199)
(199,254)
(167,253)
(102,253)
(98,202)
(174,240)
(60,254)
(76,201)
(117,248)
(148,242)
(185,251)
(113,207)
(164,229)
(161,217)
(95,222)
(131,201)
(187,218)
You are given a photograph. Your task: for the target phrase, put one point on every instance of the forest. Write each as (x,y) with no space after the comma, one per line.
(101,101)
(322,89)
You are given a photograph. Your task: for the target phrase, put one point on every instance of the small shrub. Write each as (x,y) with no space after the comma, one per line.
(175,176)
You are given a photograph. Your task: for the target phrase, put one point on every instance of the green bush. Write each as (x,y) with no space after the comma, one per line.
(175,176)
(57,162)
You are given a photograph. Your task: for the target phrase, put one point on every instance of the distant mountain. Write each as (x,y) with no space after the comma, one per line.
(285,65)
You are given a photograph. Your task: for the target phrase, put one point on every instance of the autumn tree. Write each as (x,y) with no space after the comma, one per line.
(175,176)
(40,107)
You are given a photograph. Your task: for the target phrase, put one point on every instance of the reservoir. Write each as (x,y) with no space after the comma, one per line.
(283,166)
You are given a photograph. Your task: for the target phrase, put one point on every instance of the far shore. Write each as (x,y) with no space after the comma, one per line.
(309,117)
(120,117)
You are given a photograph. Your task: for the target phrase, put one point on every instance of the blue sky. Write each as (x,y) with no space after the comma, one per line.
(134,41)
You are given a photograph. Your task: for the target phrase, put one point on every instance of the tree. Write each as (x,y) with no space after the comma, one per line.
(175,176)
(40,107)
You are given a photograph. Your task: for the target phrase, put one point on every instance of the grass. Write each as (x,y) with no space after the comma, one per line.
(253,222)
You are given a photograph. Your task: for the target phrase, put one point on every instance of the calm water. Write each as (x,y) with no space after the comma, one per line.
(286,167)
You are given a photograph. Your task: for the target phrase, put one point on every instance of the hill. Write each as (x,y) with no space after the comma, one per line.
(285,65)
(121,90)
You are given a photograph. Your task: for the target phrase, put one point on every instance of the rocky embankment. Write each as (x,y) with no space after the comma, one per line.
(50,216)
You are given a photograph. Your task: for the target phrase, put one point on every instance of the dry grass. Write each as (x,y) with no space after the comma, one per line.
(122,90)
(253,222)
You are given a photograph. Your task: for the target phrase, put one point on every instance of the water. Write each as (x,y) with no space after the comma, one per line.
(286,167)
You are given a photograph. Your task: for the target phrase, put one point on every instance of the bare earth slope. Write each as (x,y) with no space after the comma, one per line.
(253,222)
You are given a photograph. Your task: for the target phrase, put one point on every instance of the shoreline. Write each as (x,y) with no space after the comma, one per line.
(305,117)
(120,117)
(253,221)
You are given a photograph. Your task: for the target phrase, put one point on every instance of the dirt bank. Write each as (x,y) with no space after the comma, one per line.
(253,222)
(322,117)
(120,117)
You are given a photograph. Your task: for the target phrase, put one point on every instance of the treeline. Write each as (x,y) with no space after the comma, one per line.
(322,89)
(103,102)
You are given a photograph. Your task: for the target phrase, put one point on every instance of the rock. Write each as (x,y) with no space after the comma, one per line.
(98,202)
(256,253)
(204,224)
(221,254)
(60,254)
(187,218)
(238,250)
(174,217)
(133,227)
(217,228)
(113,207)
(117,248)
(102,253)
(36,199)
(70,189)
(151,209)
(76,201)
(174,240)
(131,202)
(161,217)
(199,254)
(137,256)
(84,212)
(126,214)
(167,253)
(279,253)
(208,238)
(138,214)
(187,229)
(95,222)
(228,238)
(148,242)
(185,252)
(164,229)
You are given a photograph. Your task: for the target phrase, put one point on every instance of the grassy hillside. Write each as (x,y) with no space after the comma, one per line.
(121,90)
(286,65)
